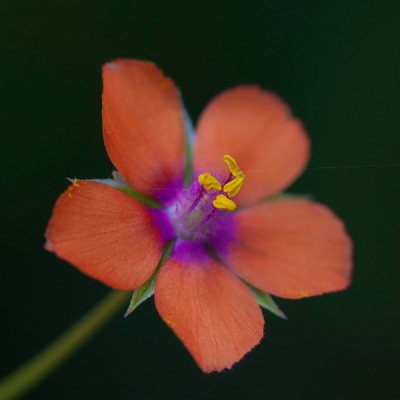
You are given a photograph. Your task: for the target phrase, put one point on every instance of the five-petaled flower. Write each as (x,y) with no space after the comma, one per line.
(231,233)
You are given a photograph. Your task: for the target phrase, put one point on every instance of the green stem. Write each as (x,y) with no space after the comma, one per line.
(39,367)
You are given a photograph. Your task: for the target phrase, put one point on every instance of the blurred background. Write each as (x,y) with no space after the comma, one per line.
(336,63)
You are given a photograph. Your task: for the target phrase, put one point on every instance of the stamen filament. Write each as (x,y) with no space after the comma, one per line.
(196,200)
(208,217)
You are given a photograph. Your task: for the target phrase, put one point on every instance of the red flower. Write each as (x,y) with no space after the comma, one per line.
(288,247)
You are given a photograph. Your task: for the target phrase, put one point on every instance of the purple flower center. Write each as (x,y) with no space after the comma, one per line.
(195,217)
(202,215)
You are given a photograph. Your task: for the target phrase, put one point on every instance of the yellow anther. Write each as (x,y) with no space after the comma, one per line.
(208,181)
(223,203)
(232,164)
(232,188)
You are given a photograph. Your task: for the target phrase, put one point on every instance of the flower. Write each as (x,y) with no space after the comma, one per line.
(234,237)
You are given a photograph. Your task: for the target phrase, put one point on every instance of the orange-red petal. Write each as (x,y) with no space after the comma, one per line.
(256,128)
(210,310)
(291,249)
(143,124)
(106,234)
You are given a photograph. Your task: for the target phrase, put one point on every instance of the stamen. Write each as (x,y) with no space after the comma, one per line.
(196,216)
(232,188)
(223,203)
(208,181)
(232,164)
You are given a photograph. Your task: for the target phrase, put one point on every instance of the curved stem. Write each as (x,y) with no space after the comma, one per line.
(43,364)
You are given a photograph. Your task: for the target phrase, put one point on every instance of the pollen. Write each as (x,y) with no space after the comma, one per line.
(169,322)
(208,181)
(223,203)
(232,165)
(232,188)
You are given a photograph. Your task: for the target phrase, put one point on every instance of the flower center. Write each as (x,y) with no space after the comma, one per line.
(205,210)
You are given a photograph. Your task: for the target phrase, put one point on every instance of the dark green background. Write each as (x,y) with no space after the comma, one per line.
(337,63)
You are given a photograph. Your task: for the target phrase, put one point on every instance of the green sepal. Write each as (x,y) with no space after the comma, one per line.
(148,201)
(263,298)
(266,301)
(145,291)
(287,196)
(188,173)
(124,187)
